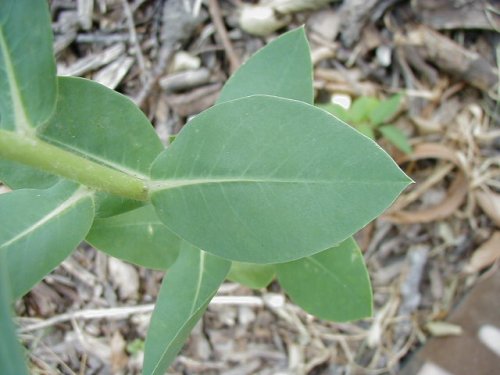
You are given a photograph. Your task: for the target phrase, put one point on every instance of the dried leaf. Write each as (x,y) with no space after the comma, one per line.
(124,277)
(118,357)
(485,255)
(490,204)
(454,198)
(431,151)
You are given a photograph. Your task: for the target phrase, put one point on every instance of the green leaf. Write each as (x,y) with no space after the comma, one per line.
(243,183)
(282,68)
(136,236)
(385,110)
(11,355)
(27,73)
(396,137)
(361,108)
(366,129)
(20,176)
(263,73)
(100,124)
(335,110)
(40,228)
(333,284)
(185,293)
(255,276)
(108,205)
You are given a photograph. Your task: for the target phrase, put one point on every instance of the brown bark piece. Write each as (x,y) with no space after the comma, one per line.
(355,15)
(458,14)
(453,58)
(465,354)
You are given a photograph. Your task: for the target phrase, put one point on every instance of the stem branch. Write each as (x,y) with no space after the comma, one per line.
(42,155)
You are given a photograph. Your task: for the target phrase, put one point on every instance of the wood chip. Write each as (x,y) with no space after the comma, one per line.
(92,62)
(454,59)
(457,14)
(441,329)
(185,80)
(112,75)
(124,277)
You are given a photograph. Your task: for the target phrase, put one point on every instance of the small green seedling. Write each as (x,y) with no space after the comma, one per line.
(261,185)
(370,116)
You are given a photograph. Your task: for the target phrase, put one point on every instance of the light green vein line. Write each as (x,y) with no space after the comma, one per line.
(96,158)
(155,186)
(77,196)
(199,281)
(21,119)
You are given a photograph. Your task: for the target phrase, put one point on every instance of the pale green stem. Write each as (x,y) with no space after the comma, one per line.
(49,158)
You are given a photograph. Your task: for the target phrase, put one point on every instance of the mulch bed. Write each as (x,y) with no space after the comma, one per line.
(171,57)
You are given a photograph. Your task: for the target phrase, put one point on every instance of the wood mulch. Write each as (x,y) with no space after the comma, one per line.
(171,57)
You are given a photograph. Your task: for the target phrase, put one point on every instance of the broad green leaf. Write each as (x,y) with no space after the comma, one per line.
(11,355)
(20,176)
(396,137)
(361,108)
(136,236)
(101,125)
(385,110)
(243,182)
(282,68)
(186,291)
(265,73)
(335,110)
(27,67)
(40,228)
(255,276)
(333,284)
(108,205)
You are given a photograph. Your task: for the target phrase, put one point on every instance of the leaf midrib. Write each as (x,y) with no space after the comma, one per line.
(72,200)
(21,121)
(181,328)
(173,183)
(96,158)
(199,280)
(195,308)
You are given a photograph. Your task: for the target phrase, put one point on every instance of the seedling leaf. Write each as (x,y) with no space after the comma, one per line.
(385,110)
(366,129)
(394,135)
(361,108)
(335,110)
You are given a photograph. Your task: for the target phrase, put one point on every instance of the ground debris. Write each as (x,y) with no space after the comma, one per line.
(439,239)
